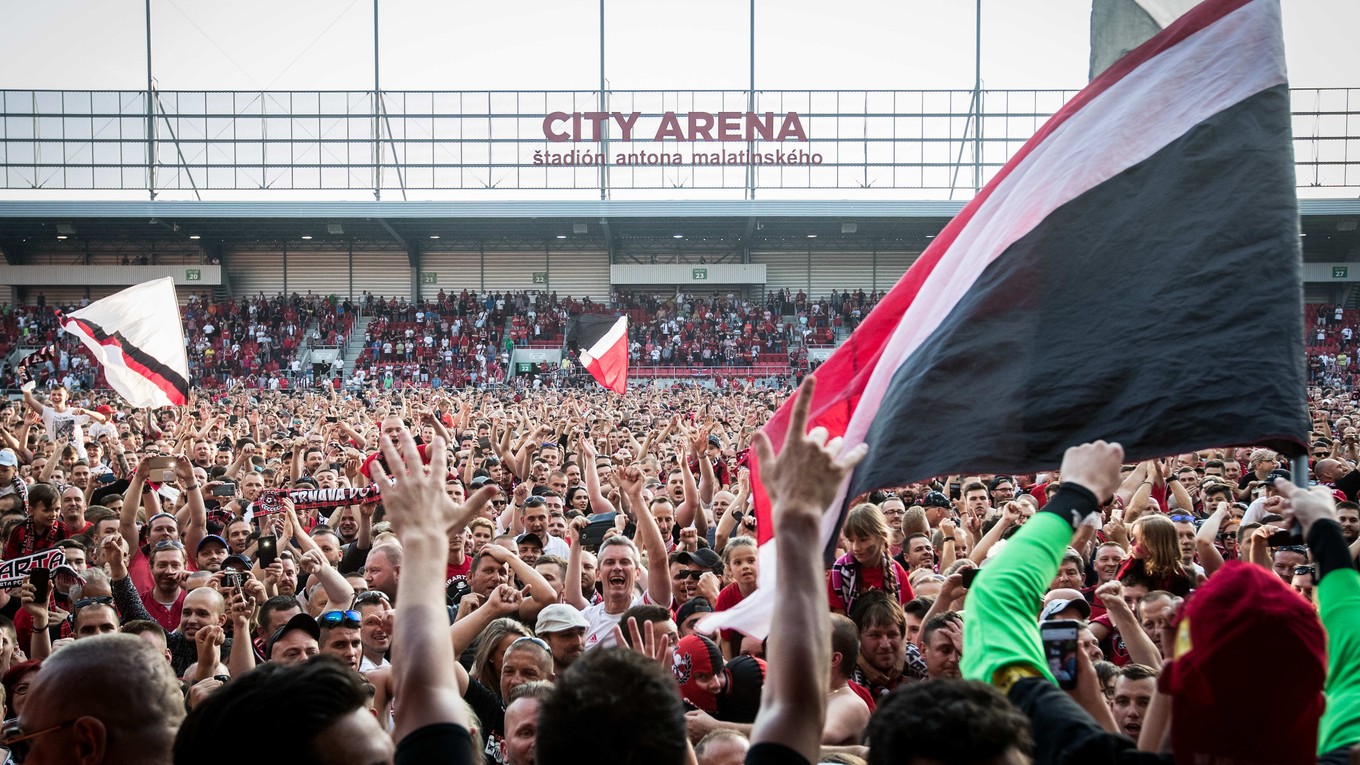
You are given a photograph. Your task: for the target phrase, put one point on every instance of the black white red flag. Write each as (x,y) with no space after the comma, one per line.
(1092,288)
(601,344)
(137,338)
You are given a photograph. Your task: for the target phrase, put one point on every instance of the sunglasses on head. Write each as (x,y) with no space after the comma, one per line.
(1182,519)
(102,600)
(536,641)
(350,619)
(369,596)
(167,544)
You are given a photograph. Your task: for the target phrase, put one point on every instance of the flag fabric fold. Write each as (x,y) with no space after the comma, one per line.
(601,344)
(137,338)
(1098,287)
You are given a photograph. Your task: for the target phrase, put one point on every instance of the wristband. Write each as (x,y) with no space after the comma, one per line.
(190,486)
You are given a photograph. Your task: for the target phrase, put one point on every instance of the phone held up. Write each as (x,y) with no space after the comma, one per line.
(1060,650)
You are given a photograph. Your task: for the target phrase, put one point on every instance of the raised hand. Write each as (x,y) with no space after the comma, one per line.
(803,479)
(1094,466)
(414,494)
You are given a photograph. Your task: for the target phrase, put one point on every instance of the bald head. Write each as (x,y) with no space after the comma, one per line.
(121,693)
(1328,470)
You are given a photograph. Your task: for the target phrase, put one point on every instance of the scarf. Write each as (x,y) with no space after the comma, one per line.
(271,500)
(847,582)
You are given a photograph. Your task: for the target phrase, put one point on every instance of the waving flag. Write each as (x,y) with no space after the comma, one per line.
(1091,289)
(136,336)
(601,342)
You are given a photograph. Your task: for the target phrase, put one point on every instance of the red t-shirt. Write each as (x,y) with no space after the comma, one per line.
(727,598)
(167,617)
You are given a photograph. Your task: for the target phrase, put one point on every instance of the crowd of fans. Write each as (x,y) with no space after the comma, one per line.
(278,555)
(457,339)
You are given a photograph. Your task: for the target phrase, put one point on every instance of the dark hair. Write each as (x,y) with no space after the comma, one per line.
(276,604)
(939,622)
(845,641)
(620,693)
(643,613)
(44,494)
(141,627)
(1137,672)
(876,608)
(948,721)
(312,696)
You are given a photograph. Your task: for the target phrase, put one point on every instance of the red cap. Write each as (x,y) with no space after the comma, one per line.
(105,410)
(1229,622)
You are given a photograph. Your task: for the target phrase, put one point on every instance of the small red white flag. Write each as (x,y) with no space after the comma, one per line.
(601,344)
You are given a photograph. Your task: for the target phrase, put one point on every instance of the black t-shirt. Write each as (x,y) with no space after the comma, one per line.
(766,753)
(437,743)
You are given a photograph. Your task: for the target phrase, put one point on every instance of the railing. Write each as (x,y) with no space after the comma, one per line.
(933,141)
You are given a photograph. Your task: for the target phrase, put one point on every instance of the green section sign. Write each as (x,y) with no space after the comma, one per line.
(429,277)
(540,277)
(700,274)
(193,275)
(1340,272)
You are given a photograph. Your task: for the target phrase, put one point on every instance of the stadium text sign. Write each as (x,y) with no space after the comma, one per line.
(745,127)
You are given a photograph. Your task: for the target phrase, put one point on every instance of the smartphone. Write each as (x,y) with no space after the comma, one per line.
(268,550)
(227,489)
(1060,650)
(162,469)
(968,574)
(332,418)
(42,580)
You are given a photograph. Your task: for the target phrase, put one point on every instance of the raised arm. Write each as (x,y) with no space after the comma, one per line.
(658,570)
(802,483)
(1140,647)
(1209,556)
(197,527)
(598,503)
(132,502)
(572,593)
(423,517)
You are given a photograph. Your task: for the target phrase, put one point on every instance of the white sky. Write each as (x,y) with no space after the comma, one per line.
(538,44)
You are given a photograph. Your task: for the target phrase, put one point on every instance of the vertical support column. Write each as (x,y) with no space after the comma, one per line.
(377,110)
(413,258)
(150,113)
(977,102)
(604,107)
(751,107)
(285,268)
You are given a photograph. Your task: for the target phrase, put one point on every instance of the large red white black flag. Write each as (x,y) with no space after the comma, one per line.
(136,337)
(1092,288)
(601,342)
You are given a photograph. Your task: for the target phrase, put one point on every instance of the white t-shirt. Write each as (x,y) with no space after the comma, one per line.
(66,425)
(600,633)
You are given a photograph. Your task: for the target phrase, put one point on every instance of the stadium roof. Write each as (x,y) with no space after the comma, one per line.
(720,225)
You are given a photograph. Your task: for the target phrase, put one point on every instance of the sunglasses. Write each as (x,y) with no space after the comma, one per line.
(529,639)
(18,743)
(1182,519)
(168,544)
(351,619)
(694,575)
(102,600)
(369,596)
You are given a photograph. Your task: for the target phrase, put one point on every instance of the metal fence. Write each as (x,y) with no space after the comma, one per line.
(922,140)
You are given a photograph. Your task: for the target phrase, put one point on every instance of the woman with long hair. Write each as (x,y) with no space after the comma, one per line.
(868,565)
(1156,555)
(491,645)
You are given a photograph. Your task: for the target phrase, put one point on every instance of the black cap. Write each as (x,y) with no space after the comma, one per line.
(702,557)
(300,622)
(936,499)
(531,538)
(1277,473)
(695,605)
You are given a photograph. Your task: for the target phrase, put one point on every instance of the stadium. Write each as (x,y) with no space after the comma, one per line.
(680,424)
(541,192)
